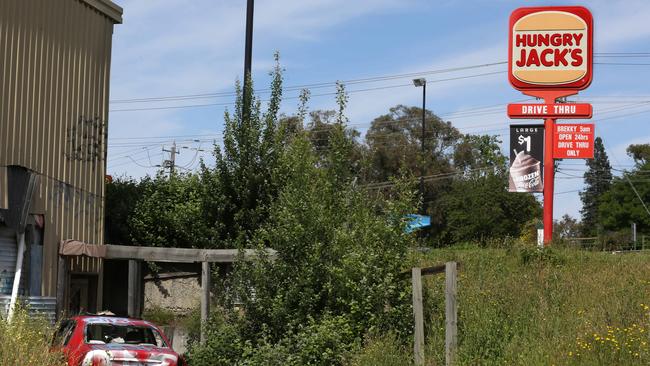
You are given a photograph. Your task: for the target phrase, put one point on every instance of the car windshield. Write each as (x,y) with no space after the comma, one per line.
(123,333)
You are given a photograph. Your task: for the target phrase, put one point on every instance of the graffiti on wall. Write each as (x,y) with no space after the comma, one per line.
(85,139)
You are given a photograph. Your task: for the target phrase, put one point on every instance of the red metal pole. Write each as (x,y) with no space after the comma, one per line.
(549,177)
(549,97)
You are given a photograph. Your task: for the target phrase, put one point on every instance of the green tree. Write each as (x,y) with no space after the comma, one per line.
(479,207)
(621,205)
(566,227)
(640,153)
(478,152)
(395,139)
(338,256)
(169,213)
(122,196)
(598,179)
(239,189)
(394,148)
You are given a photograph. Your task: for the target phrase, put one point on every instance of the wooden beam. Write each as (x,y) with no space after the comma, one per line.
(100,287)
(133,289)
(205,298)
(178,255)
(61,275)
(440,268)
(170,276)
(451,313)
(418,314)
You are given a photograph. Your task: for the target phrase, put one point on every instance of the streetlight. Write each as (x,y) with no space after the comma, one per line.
(422,82)
(248,55)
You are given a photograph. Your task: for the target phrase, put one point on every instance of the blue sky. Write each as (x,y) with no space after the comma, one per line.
(175,47)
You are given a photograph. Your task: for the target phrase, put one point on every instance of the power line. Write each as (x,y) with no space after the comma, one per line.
(565,192)
(610,110)
(310,86)
(313,95)
(433,177)
(470,112)
(132,160)
(601,54)
(317,85)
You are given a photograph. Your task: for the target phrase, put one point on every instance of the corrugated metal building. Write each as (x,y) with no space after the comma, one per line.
(54,81)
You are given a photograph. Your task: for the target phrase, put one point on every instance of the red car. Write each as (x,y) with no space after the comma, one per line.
(110,341)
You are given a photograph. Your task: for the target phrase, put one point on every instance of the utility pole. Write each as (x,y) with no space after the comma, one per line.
(171,163)
(248,56)
(422,82)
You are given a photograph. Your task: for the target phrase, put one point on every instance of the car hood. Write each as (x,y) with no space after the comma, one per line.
(114,354)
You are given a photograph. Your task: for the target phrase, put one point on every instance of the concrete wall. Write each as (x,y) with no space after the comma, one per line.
(180,295)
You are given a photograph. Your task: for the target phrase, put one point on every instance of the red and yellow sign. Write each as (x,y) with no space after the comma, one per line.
(573,141)
(551,48)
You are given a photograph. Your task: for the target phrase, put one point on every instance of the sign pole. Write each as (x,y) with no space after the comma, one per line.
(549,97)
(549,177)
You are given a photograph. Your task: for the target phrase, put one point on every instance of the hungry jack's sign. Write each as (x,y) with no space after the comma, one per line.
(551,47)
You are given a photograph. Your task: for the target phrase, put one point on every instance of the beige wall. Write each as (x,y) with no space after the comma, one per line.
(180,295)
(54,80)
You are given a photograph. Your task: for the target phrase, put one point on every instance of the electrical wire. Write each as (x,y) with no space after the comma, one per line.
(311,86)
(183,97)
(313,95)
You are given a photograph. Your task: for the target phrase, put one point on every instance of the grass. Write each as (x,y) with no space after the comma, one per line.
(521,306)
(26,341)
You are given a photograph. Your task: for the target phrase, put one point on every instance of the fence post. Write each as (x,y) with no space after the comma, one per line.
(418,341)
(451,313)
(134,289)
(61,285)
(205,298)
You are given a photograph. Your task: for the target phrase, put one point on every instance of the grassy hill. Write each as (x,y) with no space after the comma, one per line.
(521,306)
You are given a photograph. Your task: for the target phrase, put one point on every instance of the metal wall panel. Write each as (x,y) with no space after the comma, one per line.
(8,252)
(54,79)
(38,305)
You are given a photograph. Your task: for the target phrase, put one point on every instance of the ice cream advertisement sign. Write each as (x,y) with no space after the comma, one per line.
(551,48)
(526,158)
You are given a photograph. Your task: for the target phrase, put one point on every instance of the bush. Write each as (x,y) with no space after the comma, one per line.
(223,347)
(336,275)
(386,350)
(26,341)
(326,342)
(159,315)
(532,255)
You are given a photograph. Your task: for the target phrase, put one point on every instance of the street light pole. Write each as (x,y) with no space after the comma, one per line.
(248,56)
(422,82)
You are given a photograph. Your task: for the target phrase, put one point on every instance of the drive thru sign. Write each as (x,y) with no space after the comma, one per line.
(550,56)
(573,141)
